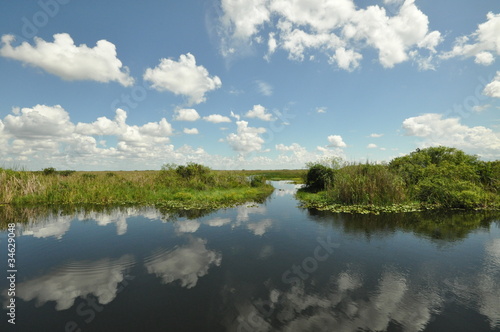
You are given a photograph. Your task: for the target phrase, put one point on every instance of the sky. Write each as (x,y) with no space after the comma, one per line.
(245,84)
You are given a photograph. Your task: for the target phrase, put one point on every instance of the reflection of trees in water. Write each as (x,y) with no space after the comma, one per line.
(437,225)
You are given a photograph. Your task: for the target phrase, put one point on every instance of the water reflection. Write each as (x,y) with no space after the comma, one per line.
(341,305)
(66,283)
(186,263)
(436,225)
(387,273)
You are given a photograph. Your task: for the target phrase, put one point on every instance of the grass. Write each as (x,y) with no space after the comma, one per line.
(166,188)
(431,178)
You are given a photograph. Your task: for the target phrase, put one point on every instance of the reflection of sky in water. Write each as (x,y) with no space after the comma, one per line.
(66,283)
(340,307)
(186,263)
(395,280)
(58,225)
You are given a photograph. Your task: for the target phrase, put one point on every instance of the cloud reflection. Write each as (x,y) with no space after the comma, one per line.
(77,279)
(186,263)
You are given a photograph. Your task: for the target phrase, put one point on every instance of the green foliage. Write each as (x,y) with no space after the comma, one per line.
(192,170)
(435,176)
(49,171)
(319,177)
(257,181)
(367,184)
(451,194)
(66,172)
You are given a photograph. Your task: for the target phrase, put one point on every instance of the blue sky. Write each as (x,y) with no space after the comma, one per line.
(257,84)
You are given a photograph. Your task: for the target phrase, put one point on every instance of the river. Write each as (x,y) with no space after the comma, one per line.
(255,267)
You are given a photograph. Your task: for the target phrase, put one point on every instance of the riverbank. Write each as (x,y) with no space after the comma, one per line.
(183,187)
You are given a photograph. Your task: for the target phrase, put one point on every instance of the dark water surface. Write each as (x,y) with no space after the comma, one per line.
(265,267)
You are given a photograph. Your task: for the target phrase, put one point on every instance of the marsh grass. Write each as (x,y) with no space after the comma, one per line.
(163,188)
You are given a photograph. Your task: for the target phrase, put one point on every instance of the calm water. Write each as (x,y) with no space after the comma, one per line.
(266,267)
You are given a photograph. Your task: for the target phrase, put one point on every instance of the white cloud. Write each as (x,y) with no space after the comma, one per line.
(68,61)
(493,88)
(45,135)
(336,28)
(191,131)
(243,17)
(321,109)
(187,263)
(183,77)
(272,45)
(246,139)
(38,122)
(346,59)
(259,112)
(371,146)
(264,88)
(450,132)
(336,141)
(216,118)
(482,44)
(375,135)
(484,58)
(480,108)
(186,114)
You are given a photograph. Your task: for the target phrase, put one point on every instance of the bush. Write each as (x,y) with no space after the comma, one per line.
(192,170)
(451,194)
(318,177)
(66,172)
(49,171)
(257,181)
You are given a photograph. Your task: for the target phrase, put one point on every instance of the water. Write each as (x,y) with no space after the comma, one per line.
(264,267)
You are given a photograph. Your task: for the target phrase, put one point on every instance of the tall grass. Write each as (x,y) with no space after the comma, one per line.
(205,188)
(366,184)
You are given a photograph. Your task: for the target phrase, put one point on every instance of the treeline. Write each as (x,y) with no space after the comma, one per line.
(436,177)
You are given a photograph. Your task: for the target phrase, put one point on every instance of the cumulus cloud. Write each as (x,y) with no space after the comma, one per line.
(246,139)
(68,61)
(492,89)
(216,118)
(183,77)
(191,131)
(371,146)
(46,134)
(186,263)
(259,112)
(336,141)
(483,44)
(398,30)
(436,130)
(186,114)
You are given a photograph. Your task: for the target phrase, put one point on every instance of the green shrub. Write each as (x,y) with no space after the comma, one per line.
(49,171)
(257,181)
(318,177)
(66,172)
(451,194)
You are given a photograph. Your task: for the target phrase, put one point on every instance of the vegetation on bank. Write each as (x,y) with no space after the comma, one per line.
(190,186)
(435,177)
